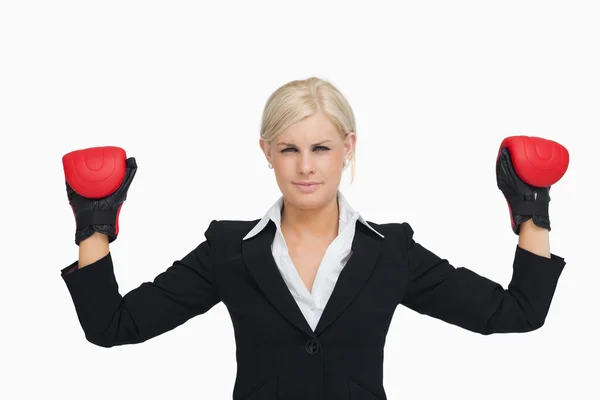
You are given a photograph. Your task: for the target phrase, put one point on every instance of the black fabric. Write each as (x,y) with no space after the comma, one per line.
(278,354)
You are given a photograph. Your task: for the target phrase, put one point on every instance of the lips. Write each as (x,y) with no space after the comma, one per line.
(307,188)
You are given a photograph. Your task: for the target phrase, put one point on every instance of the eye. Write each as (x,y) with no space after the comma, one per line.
(322,147)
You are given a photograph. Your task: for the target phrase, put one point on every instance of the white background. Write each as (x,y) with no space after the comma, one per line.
(435,87)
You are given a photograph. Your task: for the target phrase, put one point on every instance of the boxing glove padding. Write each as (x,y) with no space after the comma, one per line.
(95,172)
(537,161)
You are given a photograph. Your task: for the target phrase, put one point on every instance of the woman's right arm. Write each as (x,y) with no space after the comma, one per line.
(184,290)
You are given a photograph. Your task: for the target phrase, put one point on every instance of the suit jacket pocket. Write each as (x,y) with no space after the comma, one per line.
(263,391)
(358,391)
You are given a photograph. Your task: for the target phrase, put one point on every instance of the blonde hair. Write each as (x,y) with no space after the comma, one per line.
(299,99)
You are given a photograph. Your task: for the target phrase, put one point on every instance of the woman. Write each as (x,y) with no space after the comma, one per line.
(311,287)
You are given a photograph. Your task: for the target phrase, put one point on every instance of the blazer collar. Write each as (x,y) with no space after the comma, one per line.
(258,257)
(347,213)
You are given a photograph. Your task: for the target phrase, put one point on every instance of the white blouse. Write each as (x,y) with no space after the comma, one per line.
(339,251)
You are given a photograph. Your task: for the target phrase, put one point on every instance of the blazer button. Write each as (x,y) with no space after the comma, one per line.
(312,347)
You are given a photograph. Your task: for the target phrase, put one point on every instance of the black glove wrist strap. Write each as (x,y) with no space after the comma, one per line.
(528,207)
(96,217)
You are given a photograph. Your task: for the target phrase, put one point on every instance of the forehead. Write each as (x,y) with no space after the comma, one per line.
(312,129)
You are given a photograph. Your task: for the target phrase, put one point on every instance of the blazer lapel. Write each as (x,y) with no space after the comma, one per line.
(258,257)
(365,250)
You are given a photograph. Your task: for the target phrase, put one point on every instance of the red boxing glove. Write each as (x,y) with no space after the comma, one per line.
(97,180)
(526,167)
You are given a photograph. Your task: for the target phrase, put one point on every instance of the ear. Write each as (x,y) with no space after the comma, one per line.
(349,143)
(266,148)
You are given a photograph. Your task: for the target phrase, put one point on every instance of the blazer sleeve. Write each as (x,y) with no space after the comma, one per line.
(185,289)
(461,297)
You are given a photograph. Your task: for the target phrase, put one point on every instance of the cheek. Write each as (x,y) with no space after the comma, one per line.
(333,162)
(329,166)
(283,165)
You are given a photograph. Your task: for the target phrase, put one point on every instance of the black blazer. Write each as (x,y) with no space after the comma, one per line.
(278,355)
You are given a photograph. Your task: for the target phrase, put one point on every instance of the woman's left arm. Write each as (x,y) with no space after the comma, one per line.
(462,297)
(534,239)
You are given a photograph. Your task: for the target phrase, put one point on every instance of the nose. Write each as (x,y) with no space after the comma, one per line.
(307,164)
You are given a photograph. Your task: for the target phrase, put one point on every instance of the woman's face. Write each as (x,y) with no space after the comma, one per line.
(310,150)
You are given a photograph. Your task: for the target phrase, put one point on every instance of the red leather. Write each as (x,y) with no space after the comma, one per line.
(95,172)
(538,162)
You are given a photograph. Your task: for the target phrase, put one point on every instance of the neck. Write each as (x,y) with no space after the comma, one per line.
(316,223)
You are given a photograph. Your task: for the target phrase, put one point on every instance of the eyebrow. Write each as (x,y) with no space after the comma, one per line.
(291,144)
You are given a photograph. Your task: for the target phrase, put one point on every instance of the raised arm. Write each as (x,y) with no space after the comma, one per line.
(464,298)
(184,290)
